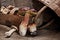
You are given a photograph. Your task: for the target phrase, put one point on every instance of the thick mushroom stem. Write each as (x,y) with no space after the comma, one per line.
(4,10)
(13,10)
(40,11)
(10,32)
(23,25)
(32,29)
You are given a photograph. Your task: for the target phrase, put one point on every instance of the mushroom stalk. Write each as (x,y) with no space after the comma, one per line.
(10,32)
(23,25)
(40,11)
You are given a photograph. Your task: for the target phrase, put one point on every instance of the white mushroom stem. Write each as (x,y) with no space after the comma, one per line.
(4,10)
(40,11)
(23,25)
(32,27)
(10,6)
(13,10)
(9,33)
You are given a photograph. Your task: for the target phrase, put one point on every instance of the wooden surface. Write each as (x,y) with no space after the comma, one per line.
(42,35)
(53,4)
